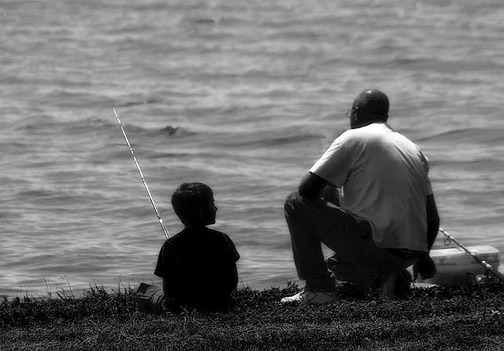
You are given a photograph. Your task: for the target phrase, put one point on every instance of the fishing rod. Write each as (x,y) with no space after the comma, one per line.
(160,219)
(485,264)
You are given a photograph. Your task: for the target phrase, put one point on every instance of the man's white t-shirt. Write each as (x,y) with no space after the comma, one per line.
(384,178)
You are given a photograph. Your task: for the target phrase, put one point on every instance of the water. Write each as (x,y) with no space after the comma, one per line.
(241,95)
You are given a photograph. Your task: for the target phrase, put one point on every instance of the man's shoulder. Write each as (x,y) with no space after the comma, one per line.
(354,138)
(376,132)
(373,129)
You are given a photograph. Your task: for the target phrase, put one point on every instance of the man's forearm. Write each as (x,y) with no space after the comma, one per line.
(331,194)
(311,186)
(432,221)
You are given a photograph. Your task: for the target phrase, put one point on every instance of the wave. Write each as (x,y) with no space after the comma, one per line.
(257,137)
(141,102)
(468,135)
(433,64)
(274,140)
(50,125)
(462,167)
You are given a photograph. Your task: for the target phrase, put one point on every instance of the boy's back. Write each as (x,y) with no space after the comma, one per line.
(198,266)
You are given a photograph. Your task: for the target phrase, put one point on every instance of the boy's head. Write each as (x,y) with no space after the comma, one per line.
(194,204)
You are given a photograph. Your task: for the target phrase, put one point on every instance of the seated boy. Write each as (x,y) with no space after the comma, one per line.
(198,265)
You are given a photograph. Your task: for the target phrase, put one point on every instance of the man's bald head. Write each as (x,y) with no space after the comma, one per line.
(371,105)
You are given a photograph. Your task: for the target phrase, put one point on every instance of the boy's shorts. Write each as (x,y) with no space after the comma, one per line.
(150,299)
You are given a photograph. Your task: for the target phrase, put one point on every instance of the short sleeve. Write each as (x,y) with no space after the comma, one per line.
(230,249)
(335,164)
(165,261)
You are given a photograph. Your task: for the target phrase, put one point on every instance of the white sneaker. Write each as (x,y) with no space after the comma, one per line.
(311,297)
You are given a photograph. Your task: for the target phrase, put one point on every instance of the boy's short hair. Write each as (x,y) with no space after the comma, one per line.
(188,199)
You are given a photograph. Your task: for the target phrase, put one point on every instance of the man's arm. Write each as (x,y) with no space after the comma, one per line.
(313,187)
(432,221)
(424,265)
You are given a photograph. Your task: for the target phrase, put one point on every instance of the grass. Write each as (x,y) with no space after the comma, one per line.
(442,318)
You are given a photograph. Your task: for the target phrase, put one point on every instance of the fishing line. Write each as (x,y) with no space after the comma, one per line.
(486,265)
(160,219)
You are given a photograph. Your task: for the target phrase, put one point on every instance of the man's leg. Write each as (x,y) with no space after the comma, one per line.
(312,223)
(347,272)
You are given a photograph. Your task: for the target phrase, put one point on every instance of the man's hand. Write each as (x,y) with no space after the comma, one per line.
(424,266)
(311,186)
(331,194)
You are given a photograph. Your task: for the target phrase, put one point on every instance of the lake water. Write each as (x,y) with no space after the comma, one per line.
(243,95)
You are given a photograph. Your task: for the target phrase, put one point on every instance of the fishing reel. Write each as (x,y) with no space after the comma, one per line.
(486,278)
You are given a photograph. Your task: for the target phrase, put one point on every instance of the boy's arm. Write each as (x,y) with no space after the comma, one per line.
(167,288)
(232,271)
(164,269)
(233,278)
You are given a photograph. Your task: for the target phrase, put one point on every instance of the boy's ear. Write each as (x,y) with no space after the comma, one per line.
(202,214)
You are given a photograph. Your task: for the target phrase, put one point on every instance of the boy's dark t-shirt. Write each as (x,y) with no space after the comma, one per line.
(199,265)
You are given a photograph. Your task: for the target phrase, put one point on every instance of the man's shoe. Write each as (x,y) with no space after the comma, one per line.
(311,297)
(395,285)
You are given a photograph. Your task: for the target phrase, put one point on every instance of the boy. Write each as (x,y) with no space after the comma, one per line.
(198,265)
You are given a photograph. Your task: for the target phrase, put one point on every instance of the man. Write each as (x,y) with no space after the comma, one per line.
(369,199)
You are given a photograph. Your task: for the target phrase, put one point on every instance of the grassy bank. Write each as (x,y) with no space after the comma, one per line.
(444,318)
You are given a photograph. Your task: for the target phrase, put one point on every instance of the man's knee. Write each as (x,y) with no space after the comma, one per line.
(291,202)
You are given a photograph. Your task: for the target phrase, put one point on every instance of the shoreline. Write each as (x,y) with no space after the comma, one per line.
(451,317)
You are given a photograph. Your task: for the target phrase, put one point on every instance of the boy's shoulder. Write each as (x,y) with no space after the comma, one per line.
(199,240)
(192,233)
(222,236)
(215,232)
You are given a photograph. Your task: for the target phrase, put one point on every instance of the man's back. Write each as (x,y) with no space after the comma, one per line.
(384,180)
